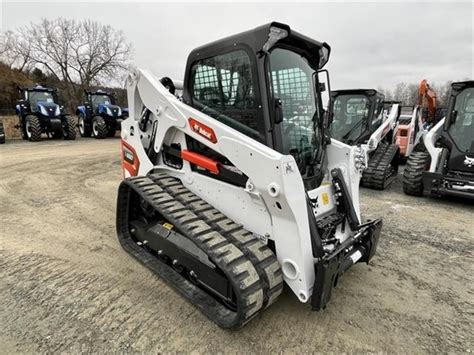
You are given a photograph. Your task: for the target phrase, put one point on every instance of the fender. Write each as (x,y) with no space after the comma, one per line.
(81,109)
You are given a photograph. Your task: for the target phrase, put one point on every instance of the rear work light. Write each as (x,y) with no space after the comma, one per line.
(130,161)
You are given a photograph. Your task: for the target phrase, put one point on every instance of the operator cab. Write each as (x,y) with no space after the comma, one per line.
(356,114)
(264,83)
(99,97)
(459,127)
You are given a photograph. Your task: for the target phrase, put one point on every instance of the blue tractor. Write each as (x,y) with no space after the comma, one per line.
(99,117)
(39,113)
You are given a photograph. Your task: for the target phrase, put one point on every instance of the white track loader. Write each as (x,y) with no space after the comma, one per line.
(236,188)
(362,118)
(442,163)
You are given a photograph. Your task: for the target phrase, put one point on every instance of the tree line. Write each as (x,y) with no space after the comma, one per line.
(407,93)
(67,54)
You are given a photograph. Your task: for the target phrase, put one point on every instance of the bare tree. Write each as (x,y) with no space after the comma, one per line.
(78,53)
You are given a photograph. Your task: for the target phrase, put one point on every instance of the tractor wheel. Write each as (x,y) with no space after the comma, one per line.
(84,129)
(413,175)
(99,128)
(2,133)
(69,128)
(33,128)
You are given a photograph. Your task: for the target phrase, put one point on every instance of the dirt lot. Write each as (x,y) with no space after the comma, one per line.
(66,284)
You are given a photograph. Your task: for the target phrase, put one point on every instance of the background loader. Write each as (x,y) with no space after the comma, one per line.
(361,117)
(415,122)
(39,113)
(442,163)
(237,187)
(99,116)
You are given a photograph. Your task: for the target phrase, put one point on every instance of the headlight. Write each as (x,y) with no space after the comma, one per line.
(43,111)
(108,111)
(119,111)
(360,160)
(58,111)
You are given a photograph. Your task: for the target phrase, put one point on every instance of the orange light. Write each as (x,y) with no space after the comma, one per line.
(130,161)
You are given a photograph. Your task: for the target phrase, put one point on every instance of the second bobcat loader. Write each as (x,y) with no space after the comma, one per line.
(236,188)
(363,118)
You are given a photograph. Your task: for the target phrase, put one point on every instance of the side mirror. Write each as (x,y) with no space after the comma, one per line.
(278,107)
(322,87)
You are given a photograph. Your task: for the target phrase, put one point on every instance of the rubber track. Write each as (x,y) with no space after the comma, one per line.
(413,174)
(263,259)
(380,172)
(238,269)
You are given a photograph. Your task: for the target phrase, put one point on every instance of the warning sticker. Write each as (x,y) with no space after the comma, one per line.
(168,226)
(325,198)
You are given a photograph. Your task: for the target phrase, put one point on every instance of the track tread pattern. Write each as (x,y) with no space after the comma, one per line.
(382,168)
(413,174)
(238,262)
(259,254)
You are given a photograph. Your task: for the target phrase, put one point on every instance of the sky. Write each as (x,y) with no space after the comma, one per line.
(373,44)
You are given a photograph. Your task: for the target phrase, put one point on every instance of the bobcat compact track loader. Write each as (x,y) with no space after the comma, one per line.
(443,161)
(360,119)
(236,188)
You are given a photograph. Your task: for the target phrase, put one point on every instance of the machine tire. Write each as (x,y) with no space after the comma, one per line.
(2,133)
(84,129)
(413,174)
(99,127)
(33,128)
(69,128)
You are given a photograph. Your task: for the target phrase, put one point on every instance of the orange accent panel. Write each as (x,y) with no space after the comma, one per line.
(200,160)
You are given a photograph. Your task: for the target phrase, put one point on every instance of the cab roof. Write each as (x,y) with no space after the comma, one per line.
(366,92)
(256,39)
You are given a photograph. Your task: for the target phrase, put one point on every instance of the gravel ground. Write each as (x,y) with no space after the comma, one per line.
(66,285)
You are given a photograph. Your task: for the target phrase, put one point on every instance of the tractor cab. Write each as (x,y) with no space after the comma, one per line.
(101,102)
(356,115)
(39,100)
(264,83)
(458,134)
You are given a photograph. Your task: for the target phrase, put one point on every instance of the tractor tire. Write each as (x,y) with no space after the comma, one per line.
(2,133)
(69,128)
(85,130)
(99,128)
(417,163)
(33,128)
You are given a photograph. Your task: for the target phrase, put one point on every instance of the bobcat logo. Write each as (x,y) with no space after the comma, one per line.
(469,162)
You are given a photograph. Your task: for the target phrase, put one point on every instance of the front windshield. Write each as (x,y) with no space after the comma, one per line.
(39,96)
(462,130)
(292,83)
(350,113)
(100,99)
